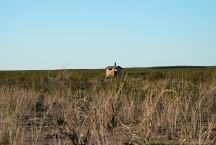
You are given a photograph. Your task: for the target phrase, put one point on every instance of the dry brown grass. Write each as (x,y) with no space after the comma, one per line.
(132,111)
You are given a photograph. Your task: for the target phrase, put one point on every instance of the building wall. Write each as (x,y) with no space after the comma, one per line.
(118,71)
(111,73)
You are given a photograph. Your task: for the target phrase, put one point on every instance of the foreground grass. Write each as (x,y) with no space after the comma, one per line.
(143,106)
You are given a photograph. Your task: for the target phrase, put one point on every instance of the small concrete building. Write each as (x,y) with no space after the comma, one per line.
(113,71)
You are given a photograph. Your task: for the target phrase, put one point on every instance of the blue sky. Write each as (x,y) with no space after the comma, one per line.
(51,34)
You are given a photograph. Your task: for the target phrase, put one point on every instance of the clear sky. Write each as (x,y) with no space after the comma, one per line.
(52,34)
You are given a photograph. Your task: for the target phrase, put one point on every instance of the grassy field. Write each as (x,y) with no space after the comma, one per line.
(166,105)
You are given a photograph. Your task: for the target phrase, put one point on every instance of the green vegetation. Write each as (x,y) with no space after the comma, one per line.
(174,105)
(41,80)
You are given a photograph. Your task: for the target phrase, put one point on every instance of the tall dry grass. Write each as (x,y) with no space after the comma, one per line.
(128,111)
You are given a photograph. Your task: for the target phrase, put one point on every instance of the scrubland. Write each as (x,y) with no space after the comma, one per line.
(142,106)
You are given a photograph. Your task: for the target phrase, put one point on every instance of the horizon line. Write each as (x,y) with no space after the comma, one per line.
(133,67)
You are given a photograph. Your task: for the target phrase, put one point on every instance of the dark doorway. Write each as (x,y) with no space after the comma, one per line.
(115,73)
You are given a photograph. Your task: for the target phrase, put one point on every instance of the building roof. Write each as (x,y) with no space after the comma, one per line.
(113,67)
